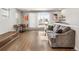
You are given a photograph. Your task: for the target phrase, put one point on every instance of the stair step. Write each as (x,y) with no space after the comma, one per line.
(6,37)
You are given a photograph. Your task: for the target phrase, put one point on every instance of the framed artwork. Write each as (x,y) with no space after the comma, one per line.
(25,17)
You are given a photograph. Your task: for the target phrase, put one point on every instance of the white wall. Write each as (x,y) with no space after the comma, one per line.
(76,38)
(19,17)
(72,17)
(32,20)
(7,24)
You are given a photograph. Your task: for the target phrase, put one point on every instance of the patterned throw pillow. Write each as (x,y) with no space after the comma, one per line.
(59,31)
(64,29)
(56,27)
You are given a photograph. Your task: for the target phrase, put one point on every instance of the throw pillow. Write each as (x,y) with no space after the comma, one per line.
(59,31)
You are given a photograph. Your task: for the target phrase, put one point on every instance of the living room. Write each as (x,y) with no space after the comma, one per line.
(35,22)
(39,29)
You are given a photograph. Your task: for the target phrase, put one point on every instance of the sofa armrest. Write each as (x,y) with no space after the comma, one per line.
(67,37)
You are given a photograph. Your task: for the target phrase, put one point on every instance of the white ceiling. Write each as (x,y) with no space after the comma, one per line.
(39,9)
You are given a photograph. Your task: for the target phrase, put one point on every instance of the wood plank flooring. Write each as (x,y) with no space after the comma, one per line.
(32,41)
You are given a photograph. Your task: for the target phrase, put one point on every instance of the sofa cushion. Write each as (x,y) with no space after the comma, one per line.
(56,27)
(59,31)
(64,28)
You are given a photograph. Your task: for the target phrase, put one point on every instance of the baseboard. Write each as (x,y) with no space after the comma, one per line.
(77,49)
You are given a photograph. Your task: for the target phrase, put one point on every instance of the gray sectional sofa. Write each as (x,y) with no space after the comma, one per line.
(61,36)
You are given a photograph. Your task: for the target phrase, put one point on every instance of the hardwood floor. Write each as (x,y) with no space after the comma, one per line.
(32,41)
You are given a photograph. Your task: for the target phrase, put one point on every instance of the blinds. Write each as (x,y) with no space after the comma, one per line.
(4,13)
